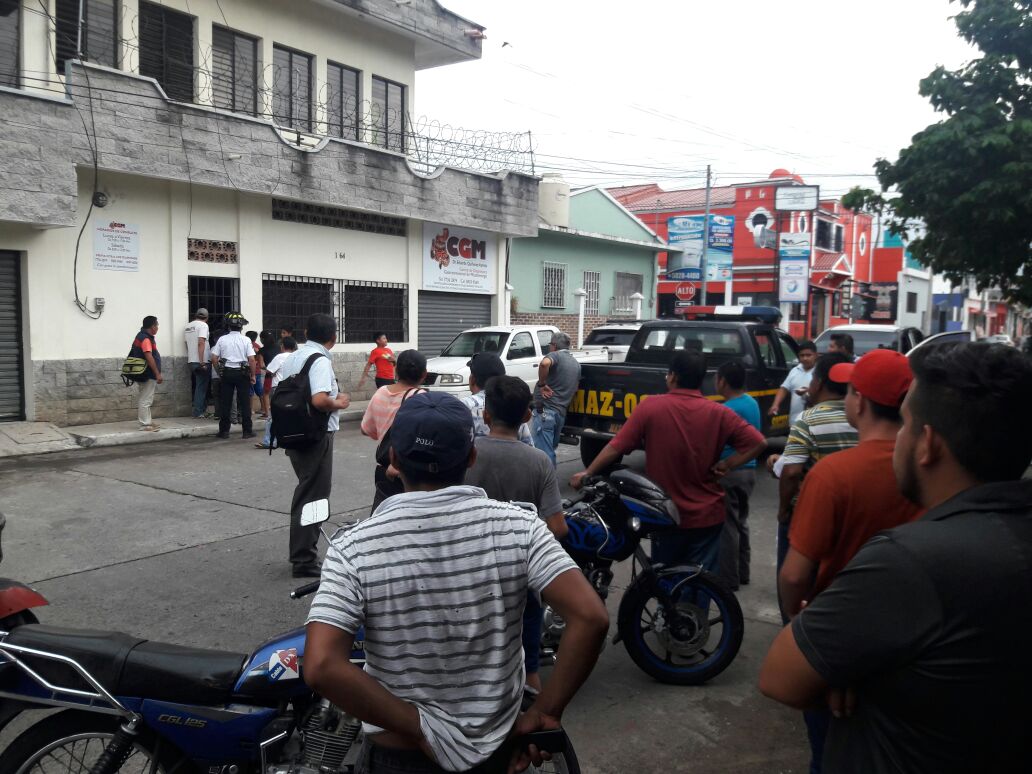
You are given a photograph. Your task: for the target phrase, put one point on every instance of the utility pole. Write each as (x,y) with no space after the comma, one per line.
(705,238)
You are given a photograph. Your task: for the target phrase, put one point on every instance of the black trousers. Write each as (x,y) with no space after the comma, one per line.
(313,467)
(235,380)
(382,382)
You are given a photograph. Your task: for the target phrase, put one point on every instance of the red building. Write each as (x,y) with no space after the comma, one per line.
(841,261)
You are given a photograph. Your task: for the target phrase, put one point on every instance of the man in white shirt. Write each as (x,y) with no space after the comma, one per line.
(287,348)
(236,355)
(197,357)
(482,367)
(313,464)
(439,576)
(796,383)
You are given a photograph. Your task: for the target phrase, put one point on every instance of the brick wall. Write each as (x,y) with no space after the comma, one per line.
(567,323)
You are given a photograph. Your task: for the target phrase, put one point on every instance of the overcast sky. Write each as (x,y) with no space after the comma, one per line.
(653,91)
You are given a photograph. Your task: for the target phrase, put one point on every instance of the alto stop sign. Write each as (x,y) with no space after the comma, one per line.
(685,291)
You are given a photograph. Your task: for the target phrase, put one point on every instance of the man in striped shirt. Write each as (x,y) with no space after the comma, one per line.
(439,576)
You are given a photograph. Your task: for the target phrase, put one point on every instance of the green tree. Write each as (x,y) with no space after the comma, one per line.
(969,176)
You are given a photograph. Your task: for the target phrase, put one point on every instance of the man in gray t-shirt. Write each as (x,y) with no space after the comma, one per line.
(558,377)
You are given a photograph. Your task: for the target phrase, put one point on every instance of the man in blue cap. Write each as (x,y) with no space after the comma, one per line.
(438,576)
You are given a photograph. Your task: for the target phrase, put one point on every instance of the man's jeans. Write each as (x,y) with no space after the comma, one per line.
(201,377)
(689,546)
(545,427)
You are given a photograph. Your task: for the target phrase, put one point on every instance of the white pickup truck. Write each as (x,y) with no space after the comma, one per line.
(520,347)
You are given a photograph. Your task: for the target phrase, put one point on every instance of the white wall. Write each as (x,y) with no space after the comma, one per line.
(911,281)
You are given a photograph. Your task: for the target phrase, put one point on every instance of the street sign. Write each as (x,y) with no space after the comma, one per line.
(796,198)
(682,304)
(685,291)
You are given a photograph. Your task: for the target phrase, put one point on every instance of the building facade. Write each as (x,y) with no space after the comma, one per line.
(596,246)
(250,155)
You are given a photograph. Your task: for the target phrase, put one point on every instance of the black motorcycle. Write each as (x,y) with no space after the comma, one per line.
(679,624)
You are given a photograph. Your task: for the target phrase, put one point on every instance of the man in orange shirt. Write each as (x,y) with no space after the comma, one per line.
(382,358)
(848,497)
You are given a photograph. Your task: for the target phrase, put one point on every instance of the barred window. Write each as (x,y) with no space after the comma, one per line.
(234,71)
(387,114)
(99,31)
(822,237)
(219,295)
(342,101)
(592,280)
(553,293)
(292,88)
(10,42)
(372,307)
(167,50)
(626,286)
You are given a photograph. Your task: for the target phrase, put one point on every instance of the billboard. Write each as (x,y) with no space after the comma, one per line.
(462,260)
(686,232)
(796,198)
(793,267)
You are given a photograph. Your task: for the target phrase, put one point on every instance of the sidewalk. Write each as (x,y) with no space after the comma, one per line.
(24,439)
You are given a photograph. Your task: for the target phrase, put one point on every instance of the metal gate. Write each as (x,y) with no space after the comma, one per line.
(442,316)
(12,390)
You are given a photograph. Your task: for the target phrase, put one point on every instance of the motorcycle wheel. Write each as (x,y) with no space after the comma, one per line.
(693,645)
(72,741)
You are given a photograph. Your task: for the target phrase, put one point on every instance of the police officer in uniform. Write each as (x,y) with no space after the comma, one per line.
(233,357)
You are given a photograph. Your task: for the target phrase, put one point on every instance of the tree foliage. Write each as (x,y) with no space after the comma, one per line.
(969,176)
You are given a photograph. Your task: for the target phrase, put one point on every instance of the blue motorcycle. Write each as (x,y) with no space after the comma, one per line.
(141,707)
(679,624)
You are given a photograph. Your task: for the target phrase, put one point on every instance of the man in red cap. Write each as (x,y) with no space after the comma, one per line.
(850,496)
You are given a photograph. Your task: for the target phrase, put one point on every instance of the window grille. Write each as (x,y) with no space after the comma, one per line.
(211,251)
(626,286)
(336,217)
(592,280)
(553,294)
(167,50)
(99,32)
(219,295)
(10,42)
(234,71)
(822,237)
(342,101)
(387,114)
(360,308)
(292,88)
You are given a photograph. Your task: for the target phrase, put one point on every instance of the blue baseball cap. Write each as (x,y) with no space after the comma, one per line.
(432,432)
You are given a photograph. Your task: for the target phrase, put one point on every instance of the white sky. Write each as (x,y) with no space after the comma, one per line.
(653,91)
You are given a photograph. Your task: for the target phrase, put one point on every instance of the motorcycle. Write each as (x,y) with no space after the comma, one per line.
(679,624)
(143,707)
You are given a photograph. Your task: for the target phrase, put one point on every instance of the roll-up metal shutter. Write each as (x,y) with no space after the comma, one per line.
(12,390)
(443,316)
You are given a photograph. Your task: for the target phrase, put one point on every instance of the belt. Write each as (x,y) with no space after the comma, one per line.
(234,368)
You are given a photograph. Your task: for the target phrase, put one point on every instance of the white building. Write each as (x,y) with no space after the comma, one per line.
(242,154)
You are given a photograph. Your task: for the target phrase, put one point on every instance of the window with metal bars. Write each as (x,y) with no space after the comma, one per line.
(626,286)
(167,50)
(342,101)
(822,236)
(553,291)
(387,114)
(99,31)
(592,280)
(360,308)
(337,217)
(219,295)
(10,43)
(292,88)
(234,71)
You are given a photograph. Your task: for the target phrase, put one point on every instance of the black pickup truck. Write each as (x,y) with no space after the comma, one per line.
(608,393)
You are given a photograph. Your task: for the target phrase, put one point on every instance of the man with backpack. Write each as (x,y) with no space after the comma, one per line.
(146,347)
(305,429)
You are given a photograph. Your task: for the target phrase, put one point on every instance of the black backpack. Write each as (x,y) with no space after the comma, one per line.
(296,424)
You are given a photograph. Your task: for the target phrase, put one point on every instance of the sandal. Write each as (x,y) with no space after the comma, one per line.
(262,446)
(149,428)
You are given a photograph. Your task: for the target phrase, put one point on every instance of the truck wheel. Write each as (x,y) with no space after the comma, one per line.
(590,448)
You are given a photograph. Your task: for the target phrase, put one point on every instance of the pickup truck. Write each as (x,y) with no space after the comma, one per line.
(520,347)
(609,393)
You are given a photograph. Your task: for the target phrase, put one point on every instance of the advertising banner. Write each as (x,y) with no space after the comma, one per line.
(794,246)
(116,247)
(686,232)
(793,280)
(459,260)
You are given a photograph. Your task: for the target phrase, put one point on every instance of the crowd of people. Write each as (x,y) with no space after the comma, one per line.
(904,545)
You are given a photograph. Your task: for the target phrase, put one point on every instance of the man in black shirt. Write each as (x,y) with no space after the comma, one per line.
(923,643)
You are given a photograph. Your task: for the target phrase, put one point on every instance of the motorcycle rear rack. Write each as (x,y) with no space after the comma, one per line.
(96,700)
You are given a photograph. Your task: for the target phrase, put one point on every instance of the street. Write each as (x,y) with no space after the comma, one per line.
(186,541)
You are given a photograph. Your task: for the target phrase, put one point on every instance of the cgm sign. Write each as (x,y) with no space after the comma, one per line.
(461,260)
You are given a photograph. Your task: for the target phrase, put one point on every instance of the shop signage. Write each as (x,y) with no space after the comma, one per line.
(460,260)
(685,291)
(793,280)
(686,232)
(116,246)
(796,198)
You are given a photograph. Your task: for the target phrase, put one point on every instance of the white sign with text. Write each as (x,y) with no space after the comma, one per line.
(116,247)
(460,260)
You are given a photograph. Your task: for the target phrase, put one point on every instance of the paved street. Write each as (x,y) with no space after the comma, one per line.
(186,541)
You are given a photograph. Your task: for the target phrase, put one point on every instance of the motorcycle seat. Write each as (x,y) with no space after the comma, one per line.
(131,666)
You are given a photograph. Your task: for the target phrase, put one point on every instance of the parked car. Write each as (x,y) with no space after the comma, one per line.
(869,337)
(609,392)
(999,338)
(613,336)
(520,347)
(946,337)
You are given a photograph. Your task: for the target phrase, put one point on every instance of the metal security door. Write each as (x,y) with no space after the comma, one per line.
(12,389)
(442,316)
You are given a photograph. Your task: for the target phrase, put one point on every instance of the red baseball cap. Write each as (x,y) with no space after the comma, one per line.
(883,375)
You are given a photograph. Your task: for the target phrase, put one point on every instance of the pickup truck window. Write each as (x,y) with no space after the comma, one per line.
(717,344)
(769,348)
(602,337)
(522,346)
(473,342)
(545,340)
(788,351)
